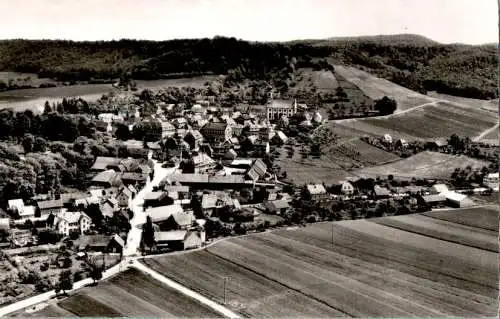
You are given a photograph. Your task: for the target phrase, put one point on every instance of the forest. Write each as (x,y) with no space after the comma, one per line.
(414,62)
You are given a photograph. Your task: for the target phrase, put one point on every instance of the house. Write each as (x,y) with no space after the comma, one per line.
(401,143)
(106,178)
(458,200)
(125,195)
(134,178)
(257,171)
(182,191)
(194,138)
(216,131)
(230,154)
(279,138)
(203,163)
(167,128)
(71,222)
(278,207)
(346,188)
(211,203)
(107,209)
(16,205)
(317,192)
(101,243)
(162,213)
(50,207)
(154,199)
(492,181)
(387,139)
(178,240)
(380,192)
(435,200)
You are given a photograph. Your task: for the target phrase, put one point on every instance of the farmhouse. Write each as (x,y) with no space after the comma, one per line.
(257,170)
(435,200)
(203,163)
(210,203)
(439,188)
(50,207)
(178,240)
(153,199)
(105,179)
(380,192)
(278,207)
(101,243)
(317,192)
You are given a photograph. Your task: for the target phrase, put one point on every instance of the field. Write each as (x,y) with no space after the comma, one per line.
(394,266)
(307,78)
(35,98)
(128,294)
(423,165)
(488,105)
(377,88)
(431,121)
(357,153)
(18,78)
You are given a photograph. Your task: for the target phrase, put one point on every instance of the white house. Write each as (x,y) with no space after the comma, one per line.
(491,181)
(69,222)
(388,138)
(346,188)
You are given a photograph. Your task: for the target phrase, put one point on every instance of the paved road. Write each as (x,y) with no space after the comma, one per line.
(188,292)
(135,234)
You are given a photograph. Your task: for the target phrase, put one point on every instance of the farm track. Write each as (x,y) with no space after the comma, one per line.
(486,132)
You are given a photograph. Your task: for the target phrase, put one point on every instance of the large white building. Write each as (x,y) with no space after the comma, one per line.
(275,109)
(492,181)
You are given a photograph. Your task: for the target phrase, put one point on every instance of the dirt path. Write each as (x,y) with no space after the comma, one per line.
(194,295)
(486,132)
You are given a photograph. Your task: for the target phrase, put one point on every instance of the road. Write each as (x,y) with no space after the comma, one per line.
(188,292)
(135,234)
(486,132)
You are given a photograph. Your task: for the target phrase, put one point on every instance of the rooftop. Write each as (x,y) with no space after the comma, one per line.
(175,235)
(315,189)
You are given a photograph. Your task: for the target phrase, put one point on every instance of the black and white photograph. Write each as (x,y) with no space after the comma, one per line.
(249,158)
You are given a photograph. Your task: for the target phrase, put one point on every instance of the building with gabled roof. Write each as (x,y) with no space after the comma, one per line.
(217,131)
(50,207)
(67,222)
(178,240)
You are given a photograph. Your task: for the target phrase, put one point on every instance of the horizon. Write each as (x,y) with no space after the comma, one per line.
(259,21)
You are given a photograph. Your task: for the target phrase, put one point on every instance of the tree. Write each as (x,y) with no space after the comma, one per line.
(40,144)
(65,281)
(95,270)
(122,132)
(47,109)
(386,105)
(148,235)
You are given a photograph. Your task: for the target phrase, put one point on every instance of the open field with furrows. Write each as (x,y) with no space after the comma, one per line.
(480,218)
(357,153)
(307,78)
(377,88)
(421,267)
(423,165)
(488,105)
(130,294)
(431,121)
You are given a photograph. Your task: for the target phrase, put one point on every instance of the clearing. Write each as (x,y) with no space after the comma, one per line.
(393,266)
(377,88)
(488,105)
(423,165)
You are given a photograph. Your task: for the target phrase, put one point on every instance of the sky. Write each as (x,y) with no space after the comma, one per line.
(445,21)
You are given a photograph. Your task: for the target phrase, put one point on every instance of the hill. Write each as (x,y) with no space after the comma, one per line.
(415,265)
(412,62)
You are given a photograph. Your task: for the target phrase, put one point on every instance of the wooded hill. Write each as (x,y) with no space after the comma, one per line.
(409,60)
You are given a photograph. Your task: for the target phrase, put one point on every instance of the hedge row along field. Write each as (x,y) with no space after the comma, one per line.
(396,266)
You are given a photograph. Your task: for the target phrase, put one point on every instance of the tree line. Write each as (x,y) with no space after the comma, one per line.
(457,69)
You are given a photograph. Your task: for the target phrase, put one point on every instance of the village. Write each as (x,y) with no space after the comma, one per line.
(198,174)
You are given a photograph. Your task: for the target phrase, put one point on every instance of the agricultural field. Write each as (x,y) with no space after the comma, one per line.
(441,119)
(480,218)
(423,165)
(128,294)
(302,170)
(393,266)
(377,88)
(307,78)
(488,105)
(357,153)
